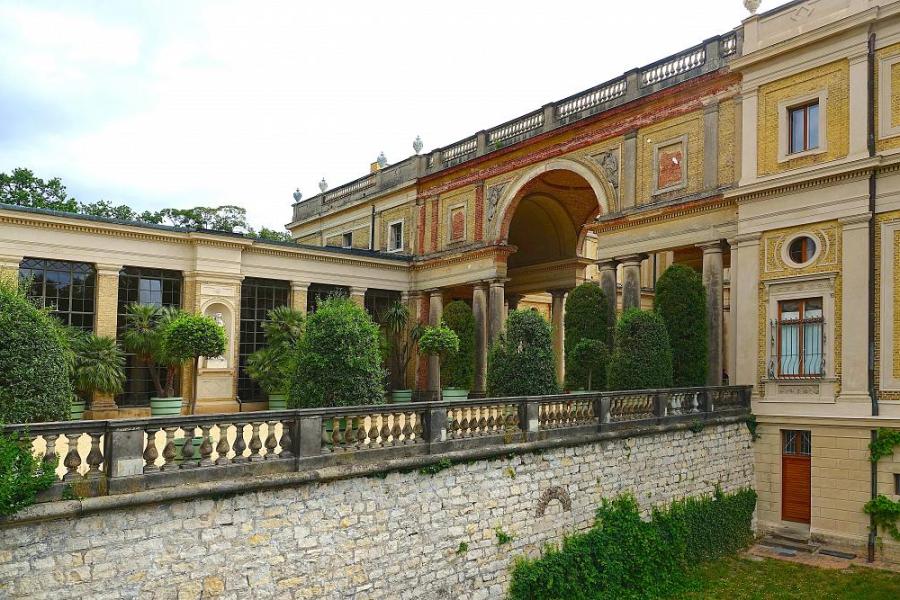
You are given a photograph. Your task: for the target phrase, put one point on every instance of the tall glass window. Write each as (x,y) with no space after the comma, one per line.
(378,302)
(67,288)
(800,342)
(320,291)
(157,287)
(258,297)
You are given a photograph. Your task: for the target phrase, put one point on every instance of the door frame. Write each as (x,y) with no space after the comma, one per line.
(796,446)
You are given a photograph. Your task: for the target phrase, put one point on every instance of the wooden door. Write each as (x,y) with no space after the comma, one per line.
(795,476)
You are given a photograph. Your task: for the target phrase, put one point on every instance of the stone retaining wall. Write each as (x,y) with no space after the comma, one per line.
(403,535)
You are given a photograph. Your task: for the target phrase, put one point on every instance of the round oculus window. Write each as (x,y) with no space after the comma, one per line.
(802,250)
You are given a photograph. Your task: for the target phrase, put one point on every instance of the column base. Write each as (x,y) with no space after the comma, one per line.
(102,413)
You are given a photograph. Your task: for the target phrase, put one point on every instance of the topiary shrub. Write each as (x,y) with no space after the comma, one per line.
(681,302)
(521,362)
(458,368)
(642,357)
(588,316)
(338,362)
(188,337)
(592,358)
(22,474)
(35,383)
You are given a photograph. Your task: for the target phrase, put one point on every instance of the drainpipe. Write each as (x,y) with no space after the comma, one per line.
(873,189)
(372,230)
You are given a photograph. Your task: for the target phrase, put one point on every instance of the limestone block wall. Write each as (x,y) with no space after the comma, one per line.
(403,535)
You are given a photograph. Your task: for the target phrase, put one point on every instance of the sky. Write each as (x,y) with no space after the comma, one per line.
(179,104)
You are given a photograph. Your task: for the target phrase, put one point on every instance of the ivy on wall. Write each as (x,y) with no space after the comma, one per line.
(884,512)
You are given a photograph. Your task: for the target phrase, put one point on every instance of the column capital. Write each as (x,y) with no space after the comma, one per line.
(434,292)
(856,221)
(358,291)
(107,269)
(710,247)
(607,263)
(499,282)
(300,286)
(559,292)
(631,259)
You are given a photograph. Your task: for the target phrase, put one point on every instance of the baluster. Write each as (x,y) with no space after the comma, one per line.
(361,434)
(395,429)
(206,447)
(222,447)
(491,422)
(94,457)
(464,423)
(239,444)
(482,421)
(271,442)
(51,459)
(407,428)
(72,460)
(373,431)
(255,443)
(187,451)
(150,451)
(336,433)
(287,442)
(385,429)
(348,433)
(454,423)
(169,463)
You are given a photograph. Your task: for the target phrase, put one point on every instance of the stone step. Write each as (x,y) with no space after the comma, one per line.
(785,544)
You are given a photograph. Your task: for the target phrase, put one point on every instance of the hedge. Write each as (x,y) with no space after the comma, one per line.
(680,300)
(35,364)
(624,557)
(588,316)
(521,363)
(642,357)
(458,368)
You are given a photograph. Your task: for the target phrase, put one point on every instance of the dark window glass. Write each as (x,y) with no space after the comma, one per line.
(800,340)
(319,291)
(802,249)
(804,127)
(347,240)
(396,236)
(158,287)
(796,442)
(377,302)
(67,288)
(258,297)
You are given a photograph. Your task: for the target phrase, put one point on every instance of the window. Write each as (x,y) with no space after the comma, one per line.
(258,297)
(804,127)
(897,484)
(796,443)
(157,287)
(66,288)
(320,291)
(800,338)
(802,249)
(378,302)
(395,236)
(347,240)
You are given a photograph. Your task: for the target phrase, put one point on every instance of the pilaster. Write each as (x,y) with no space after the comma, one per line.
(629,170)
(103,406)
(299,295)
(631,280)
(854,316)
(745,304)
(480,294)
(435,313)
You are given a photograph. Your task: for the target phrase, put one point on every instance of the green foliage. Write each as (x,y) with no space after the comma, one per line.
(338,362)
(35,363)
(434,468)
(462,548)
(642,357)
(751,427)
(680,300)
(22,474)
(885,513)
(402,338)
(99,364)
(271,365)
(144,326)
(590,357)
(521,362)
(625,557)
(190,336)
(22,188)
(588,316)
(272,235)
(503,538)
(696,426)
(884,443)
(439,340)
(458,369)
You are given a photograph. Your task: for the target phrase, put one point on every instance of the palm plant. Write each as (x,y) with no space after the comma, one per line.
(270,366)
(99,365)
(403,340)
(144,324)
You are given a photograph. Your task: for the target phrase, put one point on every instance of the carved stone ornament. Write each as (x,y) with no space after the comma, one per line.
(752,5)
(609,163)
(493,199)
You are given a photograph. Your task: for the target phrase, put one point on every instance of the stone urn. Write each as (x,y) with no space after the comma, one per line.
(752,5)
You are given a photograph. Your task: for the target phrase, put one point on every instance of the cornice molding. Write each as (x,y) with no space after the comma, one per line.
(495,251)
(674,211)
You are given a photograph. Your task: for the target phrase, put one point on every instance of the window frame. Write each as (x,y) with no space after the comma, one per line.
(264,294)
(810,258)
(805,107)
(344,239)
(390,237)
(89,285)
(819,97)
(802,322)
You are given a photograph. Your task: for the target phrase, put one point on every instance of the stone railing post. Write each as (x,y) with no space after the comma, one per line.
(530,417)
(549,117)
(436,425)
(601,409)
(660,406)
(480,143)
(310,430)
(706,401)
(123,454)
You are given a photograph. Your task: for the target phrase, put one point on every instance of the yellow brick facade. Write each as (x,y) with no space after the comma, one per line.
(689,125)
(401,213)
(727,142)
(834,79)
(888,52)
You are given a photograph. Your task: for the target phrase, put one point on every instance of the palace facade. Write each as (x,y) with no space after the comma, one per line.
(768,158)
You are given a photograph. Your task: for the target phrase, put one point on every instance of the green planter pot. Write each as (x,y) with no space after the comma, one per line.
(401,396)
(277,402)
(165,407)
(179,444)
(454,394)
(76,411)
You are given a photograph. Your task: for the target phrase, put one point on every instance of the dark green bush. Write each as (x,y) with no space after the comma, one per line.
(592,358)
(520,363)
(642,357)
(624,557)
(458,369)
(35,382)
(22,474)
(681,302)
(338,362)
(588,315)
(189,336)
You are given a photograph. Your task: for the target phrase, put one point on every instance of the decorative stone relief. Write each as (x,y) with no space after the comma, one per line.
(609,163)
(553,493)
(827,257)
(493,199)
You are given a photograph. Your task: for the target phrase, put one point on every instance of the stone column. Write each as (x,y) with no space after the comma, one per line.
(557,314)
(299,295)
(435,312)
(480,310)
(711,145)
(496,308)
(9,265)
(103,406)
(631,281)
(608,284)
(745,304)
(854,316)
(731,367)
(358,295)
(712,281)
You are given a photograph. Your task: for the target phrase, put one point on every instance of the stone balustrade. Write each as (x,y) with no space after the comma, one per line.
(119,456)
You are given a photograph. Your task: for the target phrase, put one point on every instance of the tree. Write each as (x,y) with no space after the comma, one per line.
(681,302)
(22,188)
(592,356)
(35,383)
(338,362)
(272,235)
(402,340)
(221,218)
(142,337)
(439,341)
(190,337)
(270,366)
(587,317)
(458,368)
(642,356)
(521,362)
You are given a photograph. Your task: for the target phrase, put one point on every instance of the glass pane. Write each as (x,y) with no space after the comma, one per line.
(812,349)
(789,351)
(797,124)
(812,120)
(790,310)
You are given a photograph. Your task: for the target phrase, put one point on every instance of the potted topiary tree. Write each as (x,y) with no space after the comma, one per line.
(270,366)
(142,337)
(521,362)
(190,337)
(99,366)
(458,368)
(442,342)
(642,356)
(402,342)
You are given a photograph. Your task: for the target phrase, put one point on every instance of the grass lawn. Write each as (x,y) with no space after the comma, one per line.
(743,579)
